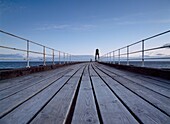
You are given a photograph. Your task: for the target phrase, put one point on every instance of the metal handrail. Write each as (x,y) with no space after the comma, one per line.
(111,58)
(66,56)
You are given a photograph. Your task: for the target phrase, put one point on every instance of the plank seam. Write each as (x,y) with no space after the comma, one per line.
(51,98)
(95,99)
(131,112)
(34,84)
(29,98)
(136,83)
(136,94)
(69,116)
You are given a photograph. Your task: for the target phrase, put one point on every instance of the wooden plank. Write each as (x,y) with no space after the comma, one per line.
(158,88)
(26,111)
(112,110)
(145,112)
(17,88)
(151,86)
(8,83)
(20,97)
(154,98)
(157,81)
(85,110)
(58,108)
(4,84)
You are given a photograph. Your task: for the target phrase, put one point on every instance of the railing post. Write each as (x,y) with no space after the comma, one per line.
(64,58)
(113,57)
(53,56)
(28,63)
(44,55)
(119,55)
(143,53)
(110,57)
(67,59)
(59,57)
(127,55)
(70,58)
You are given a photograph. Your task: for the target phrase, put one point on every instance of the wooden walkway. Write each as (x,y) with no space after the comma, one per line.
(85,93)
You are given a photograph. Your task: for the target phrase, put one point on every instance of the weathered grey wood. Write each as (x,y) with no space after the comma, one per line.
(156,99)
(24,112)
(85,110)
(30,83)
(4,84)
(47,97)
(156,88)
(162,90)
(13,101)
(112,110)
(58,108)
(8,83)
(159,83)
(144,111)
(155,80)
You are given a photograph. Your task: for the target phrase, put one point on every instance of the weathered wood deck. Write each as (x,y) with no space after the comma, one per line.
(85,93)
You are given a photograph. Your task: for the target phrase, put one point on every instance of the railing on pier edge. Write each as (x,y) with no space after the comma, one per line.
(67,57)
(110,57)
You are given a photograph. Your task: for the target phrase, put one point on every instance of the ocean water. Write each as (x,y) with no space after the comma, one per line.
(151,64)
(15,65)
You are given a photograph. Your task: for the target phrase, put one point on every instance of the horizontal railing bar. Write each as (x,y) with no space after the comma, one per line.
(155,48)
(35,43)
(23,50)
(29,41)
(35,52)
(135,52)
(145,58)
(49,54)
(158,58)
(123,54)
(150,37)
(156,35)
(143,40)
(13,35)
(13,48)
(12,58)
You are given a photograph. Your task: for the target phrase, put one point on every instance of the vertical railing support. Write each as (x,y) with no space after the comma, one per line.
(119,55)
(113,57)
(110,57)
(53,56)
(67,59)
(28,63)
(143,53)
(59,57)
(127,55)
(44,55)
(64,57)
(70,59)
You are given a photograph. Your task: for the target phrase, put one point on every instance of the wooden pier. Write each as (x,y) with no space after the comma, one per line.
(85,93)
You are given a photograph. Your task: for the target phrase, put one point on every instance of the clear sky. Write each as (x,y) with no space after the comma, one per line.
(81,26)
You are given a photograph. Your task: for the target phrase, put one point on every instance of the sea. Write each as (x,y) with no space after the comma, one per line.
(18,64)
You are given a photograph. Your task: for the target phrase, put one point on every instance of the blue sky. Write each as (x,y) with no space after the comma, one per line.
(81,26)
